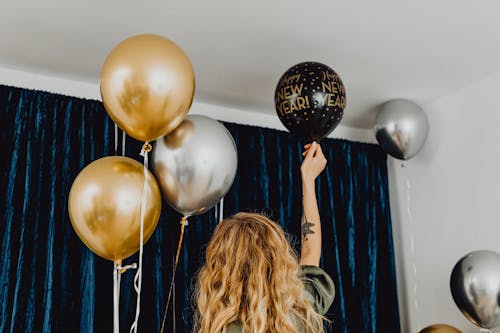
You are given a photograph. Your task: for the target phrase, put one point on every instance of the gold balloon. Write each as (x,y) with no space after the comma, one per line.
(440,328)
(147,86)
(105,206)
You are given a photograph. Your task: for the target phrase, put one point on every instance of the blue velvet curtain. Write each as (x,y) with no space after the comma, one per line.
(50,282)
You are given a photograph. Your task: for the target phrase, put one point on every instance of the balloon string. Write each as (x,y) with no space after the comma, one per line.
(116,298)
(124,136)
(116,139)
(179,245)
(412,251)
(118,270)
(146,148)
(123,269)
(173,307)
(221,209)
(216,212)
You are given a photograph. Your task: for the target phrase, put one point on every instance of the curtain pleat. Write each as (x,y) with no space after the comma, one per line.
(50,282)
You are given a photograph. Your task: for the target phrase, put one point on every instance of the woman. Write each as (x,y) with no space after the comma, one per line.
(252,282)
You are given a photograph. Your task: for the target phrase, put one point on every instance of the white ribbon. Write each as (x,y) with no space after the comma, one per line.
(221,209)
(138,275)
(116,141)
(116,299)
(412,249)
(124,136)
(117,276)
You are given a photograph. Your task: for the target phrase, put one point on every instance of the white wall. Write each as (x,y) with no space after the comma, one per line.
(454,201)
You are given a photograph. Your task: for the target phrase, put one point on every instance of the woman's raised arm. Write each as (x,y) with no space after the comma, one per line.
(312,166)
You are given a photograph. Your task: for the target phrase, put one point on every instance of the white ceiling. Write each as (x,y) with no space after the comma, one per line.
(420,50)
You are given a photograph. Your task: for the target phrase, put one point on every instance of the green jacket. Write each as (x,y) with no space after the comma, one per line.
(319,292)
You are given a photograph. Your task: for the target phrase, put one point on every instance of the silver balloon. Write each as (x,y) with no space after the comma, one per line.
(195,164)
(475,287)
(401,128)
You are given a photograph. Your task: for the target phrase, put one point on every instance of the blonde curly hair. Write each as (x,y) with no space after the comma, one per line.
(251,276)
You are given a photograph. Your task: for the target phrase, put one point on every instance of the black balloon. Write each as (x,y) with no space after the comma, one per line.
(310,100)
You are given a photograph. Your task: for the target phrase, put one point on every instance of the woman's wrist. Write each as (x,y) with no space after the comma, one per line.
(308,185)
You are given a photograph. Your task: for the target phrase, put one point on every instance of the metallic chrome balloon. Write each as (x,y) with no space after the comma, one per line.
(401,128)
(440,328)
(105,206)
(147,86)
(195,164)
(475,286)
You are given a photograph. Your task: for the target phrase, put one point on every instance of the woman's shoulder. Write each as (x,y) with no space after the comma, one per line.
(234,328)
(319,288)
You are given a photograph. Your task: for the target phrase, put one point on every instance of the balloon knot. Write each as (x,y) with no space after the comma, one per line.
(184,221)
(146,148)
(123,269)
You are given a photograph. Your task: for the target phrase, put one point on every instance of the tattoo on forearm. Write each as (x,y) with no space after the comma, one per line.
(306,228)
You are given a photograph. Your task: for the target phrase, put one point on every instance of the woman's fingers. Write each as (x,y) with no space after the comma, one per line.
(311,151)
(308,147)
(304,153)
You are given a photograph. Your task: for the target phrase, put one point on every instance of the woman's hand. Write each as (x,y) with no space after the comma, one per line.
(314,162)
